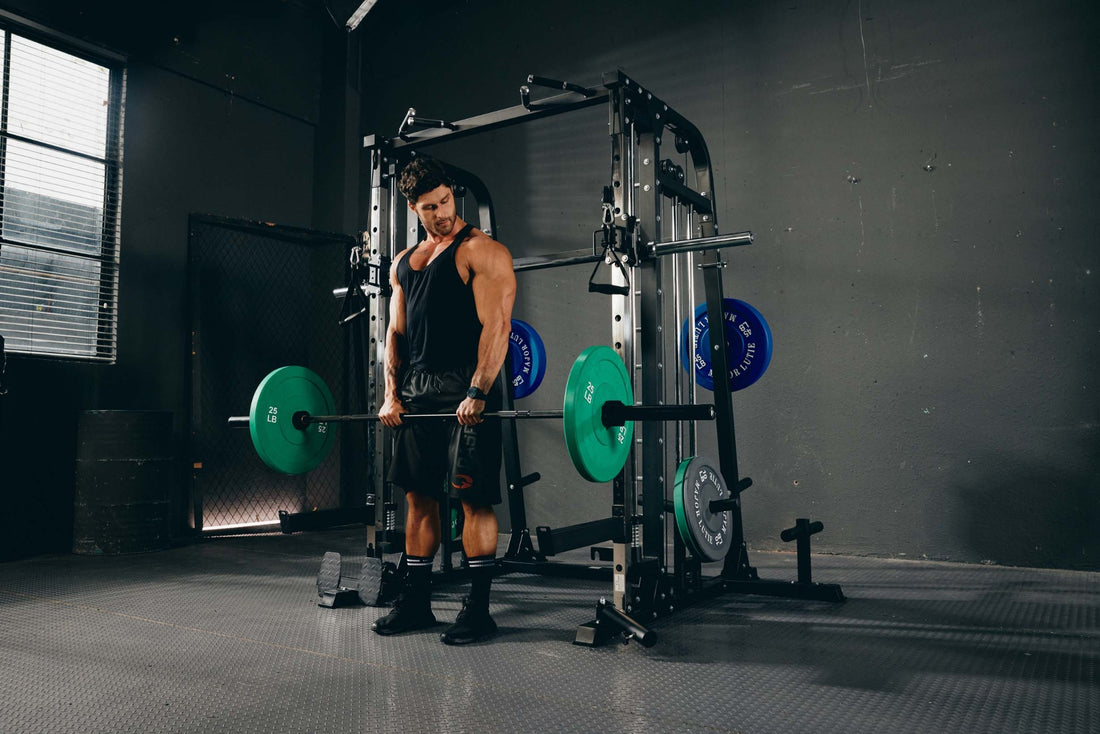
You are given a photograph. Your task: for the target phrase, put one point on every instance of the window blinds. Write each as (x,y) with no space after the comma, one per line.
(60,142)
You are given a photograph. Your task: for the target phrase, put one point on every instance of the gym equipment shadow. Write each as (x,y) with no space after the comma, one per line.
(1025,514)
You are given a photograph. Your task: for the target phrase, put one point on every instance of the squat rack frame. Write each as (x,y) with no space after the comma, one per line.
(637,232)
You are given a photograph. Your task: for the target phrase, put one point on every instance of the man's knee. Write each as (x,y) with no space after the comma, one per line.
(475,510)
(421,504)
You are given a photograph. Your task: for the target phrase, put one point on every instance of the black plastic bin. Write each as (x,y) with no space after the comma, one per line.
(125,470)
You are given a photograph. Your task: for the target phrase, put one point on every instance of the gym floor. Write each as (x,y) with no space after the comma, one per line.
(226,636)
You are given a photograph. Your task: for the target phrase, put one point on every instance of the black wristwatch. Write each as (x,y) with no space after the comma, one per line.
(476,394)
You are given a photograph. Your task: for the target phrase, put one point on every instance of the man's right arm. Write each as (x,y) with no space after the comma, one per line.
(390,413)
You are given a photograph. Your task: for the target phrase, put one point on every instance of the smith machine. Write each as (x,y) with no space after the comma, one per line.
(652,215)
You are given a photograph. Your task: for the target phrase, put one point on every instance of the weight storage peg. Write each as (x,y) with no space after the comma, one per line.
(801,533)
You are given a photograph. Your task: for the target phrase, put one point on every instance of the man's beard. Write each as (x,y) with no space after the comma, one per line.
(443,227)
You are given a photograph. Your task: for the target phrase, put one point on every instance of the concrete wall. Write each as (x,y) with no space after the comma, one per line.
(918,175)
(920,180)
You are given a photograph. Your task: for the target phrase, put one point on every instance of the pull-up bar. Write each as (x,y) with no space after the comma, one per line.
(497,119)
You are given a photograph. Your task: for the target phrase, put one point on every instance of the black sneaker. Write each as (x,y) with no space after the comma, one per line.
(408,615)
(472,625)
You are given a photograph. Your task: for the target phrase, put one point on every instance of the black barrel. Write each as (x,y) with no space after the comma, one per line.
(125,472)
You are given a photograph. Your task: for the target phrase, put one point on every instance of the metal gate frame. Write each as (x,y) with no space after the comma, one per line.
(296,324)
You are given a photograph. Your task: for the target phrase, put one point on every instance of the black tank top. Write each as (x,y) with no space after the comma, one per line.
(441,323)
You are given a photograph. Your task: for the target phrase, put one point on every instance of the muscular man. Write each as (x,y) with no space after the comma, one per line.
(450,317)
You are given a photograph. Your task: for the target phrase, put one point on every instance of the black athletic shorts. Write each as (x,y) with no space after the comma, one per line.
(433,457)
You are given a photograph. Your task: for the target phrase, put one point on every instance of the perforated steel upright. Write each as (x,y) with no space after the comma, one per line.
(382,231)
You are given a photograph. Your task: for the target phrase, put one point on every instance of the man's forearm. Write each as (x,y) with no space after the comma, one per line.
(393,362)
(491,350)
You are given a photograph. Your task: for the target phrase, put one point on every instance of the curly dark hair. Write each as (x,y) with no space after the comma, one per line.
(421,175)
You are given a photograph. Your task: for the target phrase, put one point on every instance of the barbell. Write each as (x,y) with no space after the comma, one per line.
(292,409)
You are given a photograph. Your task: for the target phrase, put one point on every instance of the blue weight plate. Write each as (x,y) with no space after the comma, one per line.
(528,357)
(540,353)
(749,340)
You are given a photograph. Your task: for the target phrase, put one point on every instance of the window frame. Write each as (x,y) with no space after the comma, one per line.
(103,334)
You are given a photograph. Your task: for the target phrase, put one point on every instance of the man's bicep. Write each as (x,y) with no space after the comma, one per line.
(397,312)
(494,294)
(500,280)
(397,303)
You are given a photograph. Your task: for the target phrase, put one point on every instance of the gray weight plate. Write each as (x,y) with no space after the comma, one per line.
(705,533)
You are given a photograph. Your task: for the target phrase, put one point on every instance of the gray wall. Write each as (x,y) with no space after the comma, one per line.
(920,180)
(933,387)
(222,117)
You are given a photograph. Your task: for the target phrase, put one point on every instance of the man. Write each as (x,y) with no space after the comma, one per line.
(450,318)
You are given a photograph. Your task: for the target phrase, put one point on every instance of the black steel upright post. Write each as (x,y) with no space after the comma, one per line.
(736,563)
(519,544)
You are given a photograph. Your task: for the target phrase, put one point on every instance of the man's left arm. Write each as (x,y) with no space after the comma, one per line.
(494,287)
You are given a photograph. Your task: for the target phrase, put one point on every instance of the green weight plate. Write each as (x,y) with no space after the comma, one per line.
(280,395)
(705,533)
(599,452)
